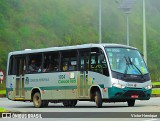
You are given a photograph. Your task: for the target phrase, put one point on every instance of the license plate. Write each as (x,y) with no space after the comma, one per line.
(134,96)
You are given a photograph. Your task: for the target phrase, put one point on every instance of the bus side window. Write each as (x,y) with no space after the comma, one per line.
(92,65)
(10,71)
(69,60)
(50,62)
(34,63)
(103,62)
(73,61)
(95,63)
(98,62)
(12,66)
(105,67)
(64,60)
(55,59)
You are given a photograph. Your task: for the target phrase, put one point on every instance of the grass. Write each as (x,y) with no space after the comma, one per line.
(156,91)
(3,110)
(155,83)
(2,92)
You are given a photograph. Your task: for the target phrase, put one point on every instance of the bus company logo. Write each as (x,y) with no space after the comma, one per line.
(21,115)
(131,85)
(27,80)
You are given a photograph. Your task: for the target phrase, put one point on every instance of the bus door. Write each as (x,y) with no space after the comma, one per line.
(84,67)
(20,64)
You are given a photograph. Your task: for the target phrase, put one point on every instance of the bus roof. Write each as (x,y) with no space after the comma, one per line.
(26,51)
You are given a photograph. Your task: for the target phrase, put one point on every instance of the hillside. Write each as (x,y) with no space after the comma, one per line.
(46,23)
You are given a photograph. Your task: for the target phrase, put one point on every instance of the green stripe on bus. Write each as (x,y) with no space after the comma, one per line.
(55,87)
(58,88)
(101,85)
(28,88)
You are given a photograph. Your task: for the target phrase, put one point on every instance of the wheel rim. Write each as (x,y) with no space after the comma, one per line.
(96,99)
(37,100)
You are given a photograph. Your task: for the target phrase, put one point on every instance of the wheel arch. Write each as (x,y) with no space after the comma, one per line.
(93,89)
(34,90)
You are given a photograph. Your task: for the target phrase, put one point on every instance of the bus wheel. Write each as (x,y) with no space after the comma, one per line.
(98,99)
(37,102)
(131,103)
(74,103)
(65,103)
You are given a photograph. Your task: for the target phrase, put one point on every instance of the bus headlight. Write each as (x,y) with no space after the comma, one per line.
(118,85)
(148,87)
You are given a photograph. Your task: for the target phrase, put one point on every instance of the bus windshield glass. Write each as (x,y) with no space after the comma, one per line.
(126,61)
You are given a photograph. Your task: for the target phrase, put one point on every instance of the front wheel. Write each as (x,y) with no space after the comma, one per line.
(37,102)
(131,103)
(98,99)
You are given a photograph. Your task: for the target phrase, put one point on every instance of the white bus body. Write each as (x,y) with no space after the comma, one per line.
(90,72)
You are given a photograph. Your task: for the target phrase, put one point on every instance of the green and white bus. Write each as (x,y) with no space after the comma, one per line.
(89,72)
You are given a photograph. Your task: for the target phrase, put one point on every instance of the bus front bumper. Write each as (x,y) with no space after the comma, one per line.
(129,93)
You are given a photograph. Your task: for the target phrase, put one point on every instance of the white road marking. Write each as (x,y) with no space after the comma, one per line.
(152,120)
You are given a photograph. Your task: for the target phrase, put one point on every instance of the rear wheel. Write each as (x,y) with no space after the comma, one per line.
(45,103)
(131,103)
(98,99)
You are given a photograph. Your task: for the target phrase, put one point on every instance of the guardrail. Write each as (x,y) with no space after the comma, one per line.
(156,89)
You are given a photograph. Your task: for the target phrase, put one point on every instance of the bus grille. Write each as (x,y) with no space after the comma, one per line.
(139,80)
(134,92)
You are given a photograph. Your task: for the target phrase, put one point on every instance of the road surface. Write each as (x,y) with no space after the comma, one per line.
(152,105)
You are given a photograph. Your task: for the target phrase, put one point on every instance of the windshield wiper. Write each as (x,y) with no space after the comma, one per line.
(132,64)
(127,65)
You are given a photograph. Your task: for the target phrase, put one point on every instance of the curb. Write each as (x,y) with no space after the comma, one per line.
(2,95)
(155,95)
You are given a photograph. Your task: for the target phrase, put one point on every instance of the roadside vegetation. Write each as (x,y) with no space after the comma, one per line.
(47,23)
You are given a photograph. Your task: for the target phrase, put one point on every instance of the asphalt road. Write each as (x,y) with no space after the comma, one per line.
(152,105)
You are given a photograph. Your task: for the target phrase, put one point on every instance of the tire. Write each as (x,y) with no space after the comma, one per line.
(45,103)
(37,102)
(65,103)
(70,103)
(74,103)
(131,103)
(98,99)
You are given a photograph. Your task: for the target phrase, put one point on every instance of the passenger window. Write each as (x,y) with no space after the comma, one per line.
(51,62)
(69,61)
(98,62)
(34,63)
(11,71)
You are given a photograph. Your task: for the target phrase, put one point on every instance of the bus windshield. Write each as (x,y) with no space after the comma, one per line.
(126,61)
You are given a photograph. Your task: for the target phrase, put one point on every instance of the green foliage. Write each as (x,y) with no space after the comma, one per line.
(2,92)
(47,23)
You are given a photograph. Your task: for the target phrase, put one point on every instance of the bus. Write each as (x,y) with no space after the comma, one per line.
(90,72)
